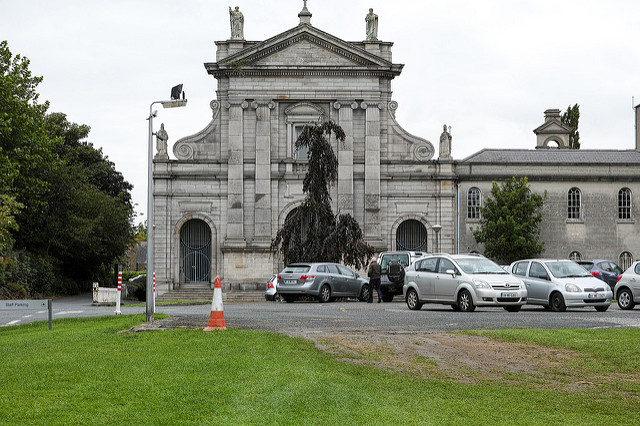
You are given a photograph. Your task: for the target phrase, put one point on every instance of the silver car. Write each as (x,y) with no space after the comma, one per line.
(627,289)
(559,284)
(271,293)
(323,281)
(463,281)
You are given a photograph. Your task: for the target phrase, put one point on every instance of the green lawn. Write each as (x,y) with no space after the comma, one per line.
(84,372)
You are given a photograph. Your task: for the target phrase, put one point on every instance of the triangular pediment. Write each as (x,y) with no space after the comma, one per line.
(553,126)
(304,52)
(304,47)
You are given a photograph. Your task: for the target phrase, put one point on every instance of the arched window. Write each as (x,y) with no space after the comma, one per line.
(473,203)
(575,255)
(573,204)
(411,235)
(626,259)
(624,204)
(195,252)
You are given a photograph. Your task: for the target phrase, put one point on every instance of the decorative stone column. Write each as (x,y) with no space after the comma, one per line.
(263,172)
(235,183)
(345,156)
(372,226)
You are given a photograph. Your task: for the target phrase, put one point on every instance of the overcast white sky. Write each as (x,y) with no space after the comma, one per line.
(487,68)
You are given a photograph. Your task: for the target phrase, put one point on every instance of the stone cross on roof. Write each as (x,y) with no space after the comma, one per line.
(305,15)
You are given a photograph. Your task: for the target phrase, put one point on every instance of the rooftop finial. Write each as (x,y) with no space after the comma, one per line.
(305,15)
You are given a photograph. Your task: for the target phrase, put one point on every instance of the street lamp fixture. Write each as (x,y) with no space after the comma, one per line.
(436,228)
(178,99)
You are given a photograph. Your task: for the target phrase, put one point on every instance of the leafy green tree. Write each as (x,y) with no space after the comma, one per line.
(67,208)
(510,223)
(313,232)
(571,118)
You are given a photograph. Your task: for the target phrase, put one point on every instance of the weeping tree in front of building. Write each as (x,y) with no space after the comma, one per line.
(312,232)
(510,222)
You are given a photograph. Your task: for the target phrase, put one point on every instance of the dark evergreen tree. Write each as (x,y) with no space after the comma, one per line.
(313,233)
(510,222)
(571,118)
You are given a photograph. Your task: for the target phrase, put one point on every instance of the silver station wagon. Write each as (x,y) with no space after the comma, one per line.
(463,281)
(559,284)
(324,281)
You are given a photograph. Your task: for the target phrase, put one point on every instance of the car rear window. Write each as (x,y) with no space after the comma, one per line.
(402,258)
(296,269)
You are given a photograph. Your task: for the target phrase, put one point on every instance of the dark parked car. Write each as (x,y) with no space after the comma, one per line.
(605,270)
(324,281)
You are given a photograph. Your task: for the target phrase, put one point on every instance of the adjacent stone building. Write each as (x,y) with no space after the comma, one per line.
(231,186)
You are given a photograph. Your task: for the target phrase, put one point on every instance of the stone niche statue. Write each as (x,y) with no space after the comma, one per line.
(237,23)
(372,26)
(161,142)
(445,143)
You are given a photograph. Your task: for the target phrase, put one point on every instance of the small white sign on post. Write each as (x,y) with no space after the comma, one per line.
(11,305)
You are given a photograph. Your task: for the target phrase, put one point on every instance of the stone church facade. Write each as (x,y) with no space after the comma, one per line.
(231,186)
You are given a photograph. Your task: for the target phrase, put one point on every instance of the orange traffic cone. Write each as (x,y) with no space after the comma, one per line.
(216,319)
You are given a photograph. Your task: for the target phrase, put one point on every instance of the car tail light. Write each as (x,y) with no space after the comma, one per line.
(595,273)
(307,277)
(270,285)
(619,276)
(279,278)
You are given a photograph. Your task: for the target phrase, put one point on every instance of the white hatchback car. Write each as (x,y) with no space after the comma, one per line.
(559,284)
(463,281)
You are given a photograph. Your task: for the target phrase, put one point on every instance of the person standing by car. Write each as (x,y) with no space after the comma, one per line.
(375,271)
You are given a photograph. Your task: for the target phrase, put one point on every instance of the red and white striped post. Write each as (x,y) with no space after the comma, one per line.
(154,292)
(119,292)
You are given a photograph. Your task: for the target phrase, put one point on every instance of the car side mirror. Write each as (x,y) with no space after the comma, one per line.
(451,272)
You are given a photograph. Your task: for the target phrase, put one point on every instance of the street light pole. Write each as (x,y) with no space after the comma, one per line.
(436,229)
(150,303)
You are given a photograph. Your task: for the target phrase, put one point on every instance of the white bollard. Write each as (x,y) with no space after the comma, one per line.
(154,292)
(119,293)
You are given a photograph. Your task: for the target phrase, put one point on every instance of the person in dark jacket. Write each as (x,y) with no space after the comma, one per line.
(374,279)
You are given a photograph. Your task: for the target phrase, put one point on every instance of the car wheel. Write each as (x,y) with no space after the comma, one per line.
(513,308)
(413,301)
(465,301)
(278,298)
(325,294)
(625,299)
(557,303)
(601,308)
(364,293)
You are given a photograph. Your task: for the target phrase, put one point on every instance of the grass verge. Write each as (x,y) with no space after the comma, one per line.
(85,372)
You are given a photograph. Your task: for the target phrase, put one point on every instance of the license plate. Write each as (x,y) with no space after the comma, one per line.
(290,281)
(512,294)
(594,296)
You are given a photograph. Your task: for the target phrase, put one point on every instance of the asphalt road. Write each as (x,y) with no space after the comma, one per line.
(348,316)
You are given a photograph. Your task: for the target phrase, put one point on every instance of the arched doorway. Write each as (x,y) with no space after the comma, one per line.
(195,252)
(411,235)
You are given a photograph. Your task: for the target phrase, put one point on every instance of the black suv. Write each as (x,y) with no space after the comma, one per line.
(393,264)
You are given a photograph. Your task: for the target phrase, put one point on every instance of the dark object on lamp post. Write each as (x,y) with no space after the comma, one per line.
(175,91)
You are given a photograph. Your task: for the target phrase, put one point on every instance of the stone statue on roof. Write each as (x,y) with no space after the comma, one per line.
(237,23)
(161,142)
(445,143)
(372,26)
